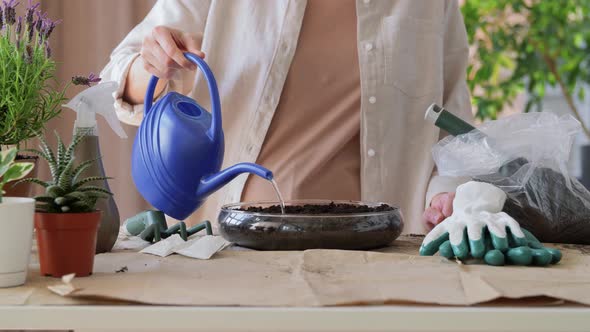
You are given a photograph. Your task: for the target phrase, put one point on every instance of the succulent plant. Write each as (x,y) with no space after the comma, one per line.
(11,171)
(67,192)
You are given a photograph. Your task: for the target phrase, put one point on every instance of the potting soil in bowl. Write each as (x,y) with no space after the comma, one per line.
(310,224)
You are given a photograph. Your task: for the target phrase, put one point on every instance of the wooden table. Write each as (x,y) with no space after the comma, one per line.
(367,319)
(112,316)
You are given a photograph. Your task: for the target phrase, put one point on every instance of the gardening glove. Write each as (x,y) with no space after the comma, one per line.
(533,253)
(477,208)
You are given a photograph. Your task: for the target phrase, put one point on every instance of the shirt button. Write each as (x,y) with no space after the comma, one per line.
(368,46)
(372,99)
(371,152)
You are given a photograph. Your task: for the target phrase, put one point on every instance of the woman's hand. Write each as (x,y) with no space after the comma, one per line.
(161,55)
(162,51)
(441,207)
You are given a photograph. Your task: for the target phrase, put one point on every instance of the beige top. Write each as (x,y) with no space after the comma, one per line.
(313,143)
(411,53)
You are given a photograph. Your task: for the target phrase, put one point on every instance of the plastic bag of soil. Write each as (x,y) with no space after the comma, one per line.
(526,155)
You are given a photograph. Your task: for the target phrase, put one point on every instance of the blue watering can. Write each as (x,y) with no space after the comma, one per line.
(178,150)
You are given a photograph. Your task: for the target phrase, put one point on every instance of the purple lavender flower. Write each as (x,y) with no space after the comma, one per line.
(93,78)
(31,30)
(48,27)
(81,80)
(40,19)
(19,25)
(18,30)
(10,11)
(1,19)
(47,50)
(30,12)
(28,54)
(10,3)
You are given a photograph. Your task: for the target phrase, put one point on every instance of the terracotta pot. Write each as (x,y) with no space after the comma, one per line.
(23,189)
(66,242)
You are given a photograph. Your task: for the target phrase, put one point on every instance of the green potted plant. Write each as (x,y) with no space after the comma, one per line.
(16,222)
(66,220)
(530,46)
(28,99)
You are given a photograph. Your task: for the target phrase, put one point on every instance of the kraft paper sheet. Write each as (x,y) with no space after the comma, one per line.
(314,278)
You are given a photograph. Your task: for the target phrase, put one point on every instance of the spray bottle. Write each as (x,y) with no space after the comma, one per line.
(98,99)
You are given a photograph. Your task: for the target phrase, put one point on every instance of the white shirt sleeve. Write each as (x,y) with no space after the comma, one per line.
(186,15)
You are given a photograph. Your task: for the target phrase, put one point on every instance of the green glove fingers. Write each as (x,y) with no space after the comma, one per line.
(476,235)
(516,236)
(478,249)
(534,243)
(460,244)
(499,237)
(528,256)
(445,250)
(499,243)
(433,241)
(493,248)
(541,257)
(494,257)
(520,256)
(516,241)
(555,255)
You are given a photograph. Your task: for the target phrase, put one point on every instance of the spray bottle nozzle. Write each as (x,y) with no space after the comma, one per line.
(97,99)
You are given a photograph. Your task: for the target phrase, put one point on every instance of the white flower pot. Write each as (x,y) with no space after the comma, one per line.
(16,236)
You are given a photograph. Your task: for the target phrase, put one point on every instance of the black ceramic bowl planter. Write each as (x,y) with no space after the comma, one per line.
(310,224)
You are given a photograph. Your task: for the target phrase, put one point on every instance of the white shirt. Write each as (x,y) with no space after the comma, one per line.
(411,53)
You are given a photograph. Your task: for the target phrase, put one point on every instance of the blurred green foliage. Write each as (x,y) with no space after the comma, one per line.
(527,45)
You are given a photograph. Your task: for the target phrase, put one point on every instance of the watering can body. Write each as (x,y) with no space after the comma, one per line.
(178,150)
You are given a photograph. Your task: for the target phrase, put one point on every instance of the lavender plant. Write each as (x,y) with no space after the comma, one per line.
(27,75)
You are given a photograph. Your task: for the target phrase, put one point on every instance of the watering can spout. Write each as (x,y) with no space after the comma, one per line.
(213,182)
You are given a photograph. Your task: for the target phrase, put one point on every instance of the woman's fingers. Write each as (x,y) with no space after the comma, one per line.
(441,207)
(174,55)
(163,51)
(432,217)
(155,67)
(156,57)
(447,204)
(190,43)
(151,69)
(444,203)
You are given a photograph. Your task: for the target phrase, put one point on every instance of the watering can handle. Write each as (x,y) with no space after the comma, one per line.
(215,129)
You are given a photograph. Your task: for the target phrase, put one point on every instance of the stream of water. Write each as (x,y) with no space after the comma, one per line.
(276,187)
